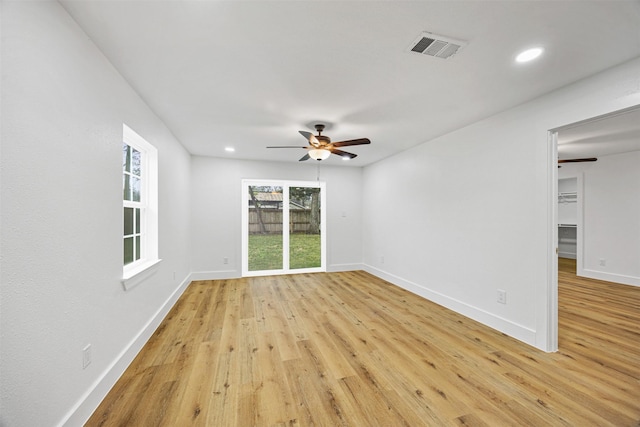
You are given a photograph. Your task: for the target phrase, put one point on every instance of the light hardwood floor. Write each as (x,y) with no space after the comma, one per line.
(349,349)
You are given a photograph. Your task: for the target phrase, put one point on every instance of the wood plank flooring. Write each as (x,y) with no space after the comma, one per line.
(349,349)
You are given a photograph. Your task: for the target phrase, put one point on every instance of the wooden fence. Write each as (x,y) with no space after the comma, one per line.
(299,221)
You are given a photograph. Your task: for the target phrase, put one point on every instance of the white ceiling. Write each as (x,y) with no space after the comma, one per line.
(251,74)
(613,134)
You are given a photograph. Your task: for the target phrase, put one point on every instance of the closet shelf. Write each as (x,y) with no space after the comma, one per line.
(568,197)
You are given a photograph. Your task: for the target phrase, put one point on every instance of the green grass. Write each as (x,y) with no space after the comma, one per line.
(304,251)
(265,251)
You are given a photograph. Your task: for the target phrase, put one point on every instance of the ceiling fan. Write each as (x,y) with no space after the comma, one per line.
(586,159)
(320,146)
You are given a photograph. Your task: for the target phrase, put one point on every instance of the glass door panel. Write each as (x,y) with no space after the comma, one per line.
(283,227)
(305,246)
(265,219)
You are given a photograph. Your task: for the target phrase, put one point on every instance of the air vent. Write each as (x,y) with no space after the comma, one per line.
(437,46)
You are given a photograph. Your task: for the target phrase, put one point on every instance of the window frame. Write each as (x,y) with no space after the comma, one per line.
(139,270)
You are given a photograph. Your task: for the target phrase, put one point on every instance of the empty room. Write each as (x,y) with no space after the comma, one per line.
(356,213)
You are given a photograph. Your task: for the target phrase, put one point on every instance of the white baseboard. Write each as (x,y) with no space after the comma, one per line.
(334,268)
(610,277)
(569,255)
(508,327)
(216,275)
(234,274)
(88,403)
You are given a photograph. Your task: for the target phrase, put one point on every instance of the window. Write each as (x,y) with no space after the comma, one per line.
(132,180)
(140,204)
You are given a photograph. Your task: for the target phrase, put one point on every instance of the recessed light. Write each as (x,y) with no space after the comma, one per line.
(229,149)
(529,54)
(346,159)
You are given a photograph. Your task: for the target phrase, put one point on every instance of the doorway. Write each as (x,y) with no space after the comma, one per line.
(591,149)
(283,227)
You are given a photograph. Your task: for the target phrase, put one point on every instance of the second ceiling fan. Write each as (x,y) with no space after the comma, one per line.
(586,159)
(320,146)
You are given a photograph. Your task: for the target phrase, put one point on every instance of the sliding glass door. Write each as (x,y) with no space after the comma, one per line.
(265,212)
(305,236)
(283,227)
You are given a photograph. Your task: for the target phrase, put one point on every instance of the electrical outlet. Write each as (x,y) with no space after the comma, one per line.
(502,296)
(603,262)
(225,260)
(382,260)
(86,356)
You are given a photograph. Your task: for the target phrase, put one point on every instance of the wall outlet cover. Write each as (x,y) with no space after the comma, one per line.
(502,296)
(86,356)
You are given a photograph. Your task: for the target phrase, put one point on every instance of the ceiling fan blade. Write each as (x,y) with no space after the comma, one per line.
(586,159)
(343,153)
(305,157)
(360,141)
(288,146)
(310,137)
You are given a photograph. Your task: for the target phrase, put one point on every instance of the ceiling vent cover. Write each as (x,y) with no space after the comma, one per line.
(437,46)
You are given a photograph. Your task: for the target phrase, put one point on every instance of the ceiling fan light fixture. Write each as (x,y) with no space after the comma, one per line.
(319,153)
(320,146)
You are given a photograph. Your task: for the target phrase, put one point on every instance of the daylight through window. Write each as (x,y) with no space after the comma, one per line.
(133,205)
(140,204)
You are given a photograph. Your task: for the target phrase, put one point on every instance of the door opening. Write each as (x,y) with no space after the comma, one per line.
(587,141)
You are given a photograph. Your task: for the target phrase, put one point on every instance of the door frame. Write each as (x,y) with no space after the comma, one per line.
(550,339)
(285,184)
(551,332)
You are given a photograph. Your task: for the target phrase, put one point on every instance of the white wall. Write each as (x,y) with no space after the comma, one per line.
(216,211)
(468,213)
(611,217)
(63,106)
(567,185)
(454,219)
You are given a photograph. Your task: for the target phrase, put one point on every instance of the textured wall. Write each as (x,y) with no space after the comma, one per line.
(216,209)
(477,206)
(63,106)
